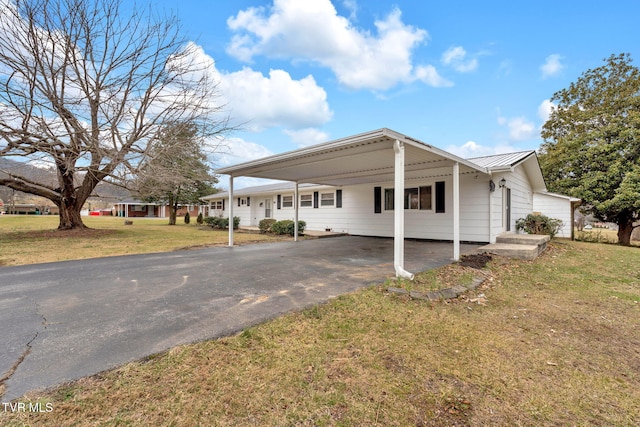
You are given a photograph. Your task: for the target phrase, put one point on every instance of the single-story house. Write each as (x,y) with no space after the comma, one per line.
(133,208)
(384,183)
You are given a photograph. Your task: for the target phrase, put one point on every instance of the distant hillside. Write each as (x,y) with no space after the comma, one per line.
(105,194)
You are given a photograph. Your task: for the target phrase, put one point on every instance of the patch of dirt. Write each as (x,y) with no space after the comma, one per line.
(477,261)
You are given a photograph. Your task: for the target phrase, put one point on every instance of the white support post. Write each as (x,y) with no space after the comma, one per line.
(398,214)
(231,210)
(456,211)
(295,213)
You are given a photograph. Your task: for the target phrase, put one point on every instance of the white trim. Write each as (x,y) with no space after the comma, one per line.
(295,213)
(398,219)
(456,211)
(230,210)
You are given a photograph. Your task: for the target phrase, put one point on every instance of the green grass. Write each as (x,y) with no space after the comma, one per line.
(26,239)
(556,343)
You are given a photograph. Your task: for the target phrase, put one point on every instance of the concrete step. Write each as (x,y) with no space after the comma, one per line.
(512,250)
(523,239)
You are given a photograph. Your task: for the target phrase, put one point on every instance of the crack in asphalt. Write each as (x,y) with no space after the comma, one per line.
(7,376)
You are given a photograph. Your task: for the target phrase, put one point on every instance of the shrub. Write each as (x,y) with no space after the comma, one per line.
(199,220)
(266,224)
(539,224)
(222,223)
(287,227)
(187,218)
(216,221)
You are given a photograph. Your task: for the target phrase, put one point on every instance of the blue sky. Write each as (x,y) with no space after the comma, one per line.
(470,77)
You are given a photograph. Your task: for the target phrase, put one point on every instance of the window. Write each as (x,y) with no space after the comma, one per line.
(217,204)
(306,200)
(425,198)
(326,199)
(389,195)
(415,198)
(287,201)
(411,200)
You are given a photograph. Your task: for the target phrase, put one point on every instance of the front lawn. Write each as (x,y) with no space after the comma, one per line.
(27,239)
(552,342)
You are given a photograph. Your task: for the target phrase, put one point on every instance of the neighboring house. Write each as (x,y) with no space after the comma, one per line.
(383,183)
(132,208)
(29,209)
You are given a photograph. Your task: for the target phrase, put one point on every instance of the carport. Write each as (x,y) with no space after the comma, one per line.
(378,156)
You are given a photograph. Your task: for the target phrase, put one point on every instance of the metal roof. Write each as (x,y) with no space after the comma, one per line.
(507,162)
(502,160)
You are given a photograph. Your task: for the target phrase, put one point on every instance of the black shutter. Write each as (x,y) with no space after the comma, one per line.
(315,200)
(279,201)
(238,201)
(248,201)
(222,204)
(440,197)
(377,199)
(338,198)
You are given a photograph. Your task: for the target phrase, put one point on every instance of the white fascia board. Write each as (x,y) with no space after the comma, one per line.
(236,170)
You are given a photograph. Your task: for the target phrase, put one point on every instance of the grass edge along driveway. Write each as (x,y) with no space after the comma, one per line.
(555,341)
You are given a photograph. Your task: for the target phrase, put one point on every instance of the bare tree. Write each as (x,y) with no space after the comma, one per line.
(85,88)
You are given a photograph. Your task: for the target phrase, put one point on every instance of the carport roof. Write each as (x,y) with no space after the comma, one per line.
(358,159)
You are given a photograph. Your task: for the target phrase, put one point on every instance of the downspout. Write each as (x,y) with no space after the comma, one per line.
(398,222)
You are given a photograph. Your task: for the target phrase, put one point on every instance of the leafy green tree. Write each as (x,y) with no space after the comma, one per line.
(591,146)
(177,172)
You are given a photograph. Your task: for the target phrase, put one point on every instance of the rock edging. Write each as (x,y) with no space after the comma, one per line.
(447,293)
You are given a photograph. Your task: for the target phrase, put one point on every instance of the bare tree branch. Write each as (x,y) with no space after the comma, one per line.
(90,89)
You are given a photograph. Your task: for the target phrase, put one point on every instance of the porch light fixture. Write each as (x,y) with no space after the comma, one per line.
(503,182)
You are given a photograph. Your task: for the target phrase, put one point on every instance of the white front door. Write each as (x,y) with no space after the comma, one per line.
(506,209)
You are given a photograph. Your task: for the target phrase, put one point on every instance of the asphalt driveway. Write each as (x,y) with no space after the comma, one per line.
(62,321)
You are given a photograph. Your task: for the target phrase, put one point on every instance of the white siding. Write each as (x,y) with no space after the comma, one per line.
(555,207)
(357,213)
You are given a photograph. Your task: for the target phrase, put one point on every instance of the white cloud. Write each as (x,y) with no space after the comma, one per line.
(276,100)
(552,66)
(472,149)
(505,68)
(258,102)
(308,136)
(519,128)
(352,6)
(313,31)
(544,110)
(455,57)
(237,150)
(429,75)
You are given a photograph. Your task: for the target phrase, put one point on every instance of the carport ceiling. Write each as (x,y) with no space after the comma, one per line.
(359,159)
